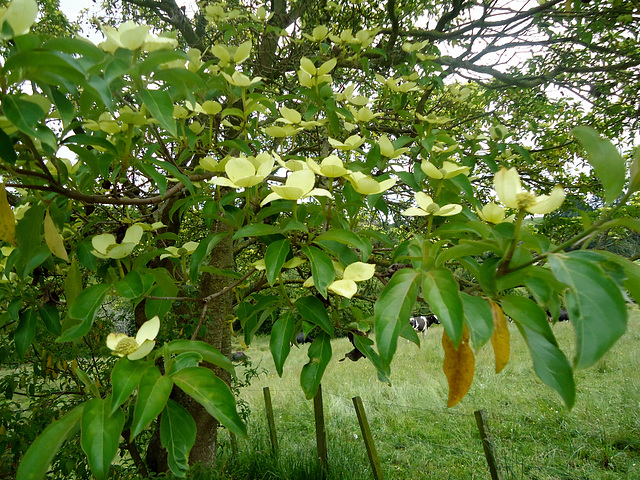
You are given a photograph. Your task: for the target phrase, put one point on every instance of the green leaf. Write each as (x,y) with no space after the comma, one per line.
(257,230)
(7,152)
(158,58)
(63,105)
(347,237)
(23,114)
(321,268)
(25,332)
(280,341)
(595,304)
(73,282)
(125,377)
(85,140)
(365,345)
(392,311)
(35,463)
(99,87)
(213,394)
(153,393)
(275,257)
(549,361)
(100,435)
(184,81)
(442,292)
(632,273)
(160,105)
(131,286)
(154,175)
(84,309)
(466,248)
(605,160)
(29,231)
(184,360)
(313,310)
(177,436)
(51,318)
(175,171)
(319,356)
(407,332)
(208,352)
(202,251)
(88,383)
(478,317)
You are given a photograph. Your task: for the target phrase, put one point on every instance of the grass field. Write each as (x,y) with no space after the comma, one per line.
(417,437)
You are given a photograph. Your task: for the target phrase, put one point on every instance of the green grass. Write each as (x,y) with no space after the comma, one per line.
(417,437)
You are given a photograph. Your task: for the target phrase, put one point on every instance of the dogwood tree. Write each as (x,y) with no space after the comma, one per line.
(206,186)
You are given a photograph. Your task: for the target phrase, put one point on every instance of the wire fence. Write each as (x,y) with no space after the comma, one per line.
(525,450)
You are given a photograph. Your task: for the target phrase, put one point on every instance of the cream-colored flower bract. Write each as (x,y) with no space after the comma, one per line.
(105,122)
(299,185)
(177,252)
(129,35)
(153,43)
(351,143)
(19,15)
(106,246)
(240,79)
(230,54)
(243,172)
(293,164)
(330,167)
(493,213)
(366,185)
(509,189)
(448,170)
(388,150)
(310,76)
(426,206)
(135,348)
(293,263)
(354,272)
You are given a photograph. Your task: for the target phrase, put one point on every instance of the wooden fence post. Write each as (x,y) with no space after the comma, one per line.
(234,445)
(487,444)
(321,436)
(270,420)
(368,438)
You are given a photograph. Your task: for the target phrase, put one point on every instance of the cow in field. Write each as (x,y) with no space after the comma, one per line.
(423,322)
(301,338)
(562,317)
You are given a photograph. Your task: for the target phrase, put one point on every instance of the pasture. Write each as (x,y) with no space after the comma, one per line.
(417,437)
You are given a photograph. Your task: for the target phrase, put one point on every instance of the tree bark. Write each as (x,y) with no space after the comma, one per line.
(216,332)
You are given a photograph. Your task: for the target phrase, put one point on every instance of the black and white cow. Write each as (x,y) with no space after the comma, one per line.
(562,317)
(300,338)
(423,322)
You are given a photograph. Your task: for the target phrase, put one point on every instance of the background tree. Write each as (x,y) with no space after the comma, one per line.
(307,166)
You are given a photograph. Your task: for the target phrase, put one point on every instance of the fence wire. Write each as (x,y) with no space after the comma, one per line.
(513,463)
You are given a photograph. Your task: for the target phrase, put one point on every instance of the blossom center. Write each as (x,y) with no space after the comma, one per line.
(525,199)
(126,346)
(433,208)
(443,172)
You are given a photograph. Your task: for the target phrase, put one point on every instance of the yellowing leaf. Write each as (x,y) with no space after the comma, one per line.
(53,238)
(500,337)
(459,366)
(7,220)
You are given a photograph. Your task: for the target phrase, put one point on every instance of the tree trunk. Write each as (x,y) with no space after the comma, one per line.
(215,331)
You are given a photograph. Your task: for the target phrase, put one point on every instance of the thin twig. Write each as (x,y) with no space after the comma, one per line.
(200,322)
(208,298)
